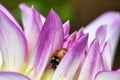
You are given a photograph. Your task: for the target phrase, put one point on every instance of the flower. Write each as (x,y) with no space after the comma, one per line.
(45,50)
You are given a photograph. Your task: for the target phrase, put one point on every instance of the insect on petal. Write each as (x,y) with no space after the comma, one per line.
(48,43)
(70,62)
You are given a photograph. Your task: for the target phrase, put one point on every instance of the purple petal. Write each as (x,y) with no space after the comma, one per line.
(108,75)
(1,61)
(12,44)
(118,70)
(74,36)
(8,14)
(42,19)
(91,64)
(12,76)
(70,62)
(25,12)
(50,39)
(101,34)
(80,66)
(111,20)
(66,27)
(68,41)
(106,56)
(79,33)
(32,25)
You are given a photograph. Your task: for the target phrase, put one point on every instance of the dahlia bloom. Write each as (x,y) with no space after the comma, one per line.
(26,54)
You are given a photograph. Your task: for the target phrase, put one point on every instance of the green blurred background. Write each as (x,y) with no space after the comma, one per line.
(79,12)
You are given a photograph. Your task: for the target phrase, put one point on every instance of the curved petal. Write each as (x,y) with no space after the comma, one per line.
(108,75)
(25,11)
(80,66)
(66,28)
(42,19)
(106,56)
(12,76)
(32,24)
(70,62)
(50,39)
(101,34)
(1,61)
(91,64)
(111,20)
(12,44)
(118,70)
(79,33)
(3,9)
(68,41)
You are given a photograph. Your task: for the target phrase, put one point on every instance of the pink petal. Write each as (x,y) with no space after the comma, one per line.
(70,62)
(79,33)
(80,66)
(3,9)
(106,56)
(101,34)
(91,64)
(74,36)
(69,40)
(108,75)
(25,11)
(1,61)
(111,20)
(33,25)
(42,19)
(66,27)
(50,39)
(118,70)
(12,44)
(12,76)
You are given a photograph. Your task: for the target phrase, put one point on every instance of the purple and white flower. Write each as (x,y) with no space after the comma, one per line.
(25,54)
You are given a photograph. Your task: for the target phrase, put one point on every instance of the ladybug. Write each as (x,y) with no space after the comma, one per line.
(57,56)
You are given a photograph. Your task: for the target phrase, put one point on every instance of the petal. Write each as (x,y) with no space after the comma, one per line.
(1,61)
(101,34)
(79,33)
(66,27)
(3,9)
(111,20)
(58,37)
(91,64)
(33,25)
(70,62)
(108,75)
(50,39)
(12,76)
(74,36)
(42,19)
(12,44)
(80,66)
(25,11)
(118,70)
(68,41)
(106,56)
